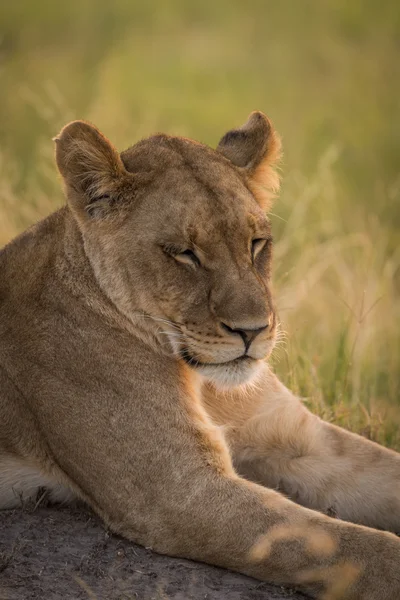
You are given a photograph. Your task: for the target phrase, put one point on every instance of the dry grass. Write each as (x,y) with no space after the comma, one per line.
(338,299)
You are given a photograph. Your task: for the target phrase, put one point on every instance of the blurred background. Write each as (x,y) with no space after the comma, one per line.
(327,72)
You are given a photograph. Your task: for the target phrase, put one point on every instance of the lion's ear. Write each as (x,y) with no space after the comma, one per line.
(90,166)
(256,148)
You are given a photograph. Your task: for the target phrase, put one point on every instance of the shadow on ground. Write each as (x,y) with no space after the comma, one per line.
(63,554)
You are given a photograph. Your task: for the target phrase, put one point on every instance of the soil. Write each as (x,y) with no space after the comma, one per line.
(66,554)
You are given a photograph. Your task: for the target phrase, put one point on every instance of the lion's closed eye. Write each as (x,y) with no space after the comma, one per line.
(184,256)
(188,257)
(258,245)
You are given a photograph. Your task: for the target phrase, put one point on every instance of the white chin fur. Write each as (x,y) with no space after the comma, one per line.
(230,376)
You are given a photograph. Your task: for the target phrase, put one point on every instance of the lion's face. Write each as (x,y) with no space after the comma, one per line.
(180,243)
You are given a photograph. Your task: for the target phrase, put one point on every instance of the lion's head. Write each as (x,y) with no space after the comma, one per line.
(178,238)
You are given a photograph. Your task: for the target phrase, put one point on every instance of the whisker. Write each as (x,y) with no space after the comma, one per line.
(189,359)
(157,319)
(169,333)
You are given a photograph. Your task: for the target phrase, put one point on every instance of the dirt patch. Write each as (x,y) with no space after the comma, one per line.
(64,554)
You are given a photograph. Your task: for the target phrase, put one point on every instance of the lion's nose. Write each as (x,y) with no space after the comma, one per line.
(247,335)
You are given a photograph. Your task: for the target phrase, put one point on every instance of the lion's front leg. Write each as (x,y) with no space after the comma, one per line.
(276,441)
(159,473)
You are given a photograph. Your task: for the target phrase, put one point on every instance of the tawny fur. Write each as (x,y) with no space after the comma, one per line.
(124,321)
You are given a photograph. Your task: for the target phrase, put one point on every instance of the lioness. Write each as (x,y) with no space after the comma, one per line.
(135,324)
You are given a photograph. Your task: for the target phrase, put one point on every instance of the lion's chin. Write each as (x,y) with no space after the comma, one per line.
(231,374)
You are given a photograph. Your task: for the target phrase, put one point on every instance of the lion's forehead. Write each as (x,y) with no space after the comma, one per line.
(204,210)
(210,186)
(197,192)
(170,158)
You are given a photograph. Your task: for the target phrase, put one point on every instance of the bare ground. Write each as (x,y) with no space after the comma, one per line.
(66,554)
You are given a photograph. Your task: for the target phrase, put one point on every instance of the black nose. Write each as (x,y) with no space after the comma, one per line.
(247,335)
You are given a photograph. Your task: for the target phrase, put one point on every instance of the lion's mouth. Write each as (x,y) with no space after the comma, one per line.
(193,362)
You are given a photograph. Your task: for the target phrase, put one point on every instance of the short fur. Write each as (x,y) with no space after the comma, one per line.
(134,327)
